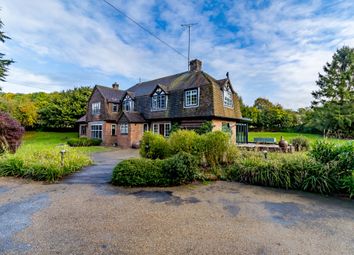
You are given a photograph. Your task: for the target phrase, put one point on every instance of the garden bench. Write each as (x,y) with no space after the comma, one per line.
(266,140)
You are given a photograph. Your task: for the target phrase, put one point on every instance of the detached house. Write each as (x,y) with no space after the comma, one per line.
(120,117)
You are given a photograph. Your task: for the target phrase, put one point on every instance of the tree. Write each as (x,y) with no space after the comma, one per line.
(4,63)
(11,133)
(334,101)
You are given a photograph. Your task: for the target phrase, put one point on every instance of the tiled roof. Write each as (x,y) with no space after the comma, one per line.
(133,117)
(82,119)
(112,95)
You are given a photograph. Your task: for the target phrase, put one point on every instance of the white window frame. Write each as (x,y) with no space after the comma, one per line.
(156,100)
(228,97)
(128,104)
(83,127)
(145,127)
(188,94)
(96,108)
(113,106)
(114,127)
(124,128)
(167,128)
(97,133)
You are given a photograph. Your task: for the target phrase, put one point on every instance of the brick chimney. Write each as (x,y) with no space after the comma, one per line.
(115,86)
(195,65)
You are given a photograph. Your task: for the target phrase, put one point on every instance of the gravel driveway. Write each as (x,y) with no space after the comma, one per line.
(85,215)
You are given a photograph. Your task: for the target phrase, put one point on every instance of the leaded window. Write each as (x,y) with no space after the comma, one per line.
(114,107)
(96,131)
(96,108)
(228,102)
(159,100)
(124,128)
(128,104)
(191,98)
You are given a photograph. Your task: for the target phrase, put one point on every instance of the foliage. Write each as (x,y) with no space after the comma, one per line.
(11,133)
(139,172)
(42,165)
(347,183)
(181,168)
(206,127)
(175,127)
(4,63)
(154,146)
(333,101)
(184,140)
(232,154)
(213,146)
(300,143)
(83,141)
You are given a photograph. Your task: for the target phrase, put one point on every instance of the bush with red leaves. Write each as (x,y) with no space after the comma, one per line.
(11,133)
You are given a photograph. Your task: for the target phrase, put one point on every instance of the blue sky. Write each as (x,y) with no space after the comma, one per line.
(271,49)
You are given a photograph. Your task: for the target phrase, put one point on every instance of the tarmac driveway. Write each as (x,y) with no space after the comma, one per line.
(85,215)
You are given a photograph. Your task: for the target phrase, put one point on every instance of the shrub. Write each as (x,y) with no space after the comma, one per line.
(324,151)
(139,172)
(181,168)
(232,153)
(184,140)
(42,165)
(83,141)
(154,146)
(347,184)
(206,127)
(214,146)
(300,143)
(11,133)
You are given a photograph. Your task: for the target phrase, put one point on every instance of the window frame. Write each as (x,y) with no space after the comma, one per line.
(156,100)
(124,128)
(128,104)
(97,131)
(83,127)
(96,108)
(167,128)
(115,107)
(114,127)
(228,97)
(197,94)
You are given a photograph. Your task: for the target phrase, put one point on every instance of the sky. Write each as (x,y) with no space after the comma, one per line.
(271,49)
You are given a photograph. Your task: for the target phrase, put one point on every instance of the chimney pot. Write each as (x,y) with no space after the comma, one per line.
(115,86)
(195,65)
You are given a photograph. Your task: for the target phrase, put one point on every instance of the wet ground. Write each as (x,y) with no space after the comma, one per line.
(85,215)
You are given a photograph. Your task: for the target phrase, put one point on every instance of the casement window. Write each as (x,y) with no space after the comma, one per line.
(228,102)
(159,100)
(113,129)
(191,98)
(96,108)
(163,129)
(124,129)
(128,104)
(114,107)
(146,127)
(226,127)
(96,131)
(83,129)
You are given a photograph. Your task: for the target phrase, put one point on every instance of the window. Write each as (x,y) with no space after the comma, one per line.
(113,129)
(159,100)
(163,129)
(83,129)
(96,131)
(228,102)
(124,129)
(128,104)
(114,107)
(191,98)
(96,108)
(226,127)
(146,127)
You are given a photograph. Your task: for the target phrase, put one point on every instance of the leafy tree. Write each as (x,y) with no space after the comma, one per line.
(11,133)
(334,101)
(4,63)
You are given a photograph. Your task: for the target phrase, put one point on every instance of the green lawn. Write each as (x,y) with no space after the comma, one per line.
(288,136)
(34,140)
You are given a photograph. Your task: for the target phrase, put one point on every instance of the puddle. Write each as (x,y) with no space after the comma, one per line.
(165,197)
(16,216)
(4,189)
(231,207)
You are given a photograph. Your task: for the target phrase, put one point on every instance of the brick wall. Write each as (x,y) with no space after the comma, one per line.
(135,134)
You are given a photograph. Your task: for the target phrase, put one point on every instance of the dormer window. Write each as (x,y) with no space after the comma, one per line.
(191,98)
(228,102)
(114,107)
(159,100)
(128,104)
(96,108)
